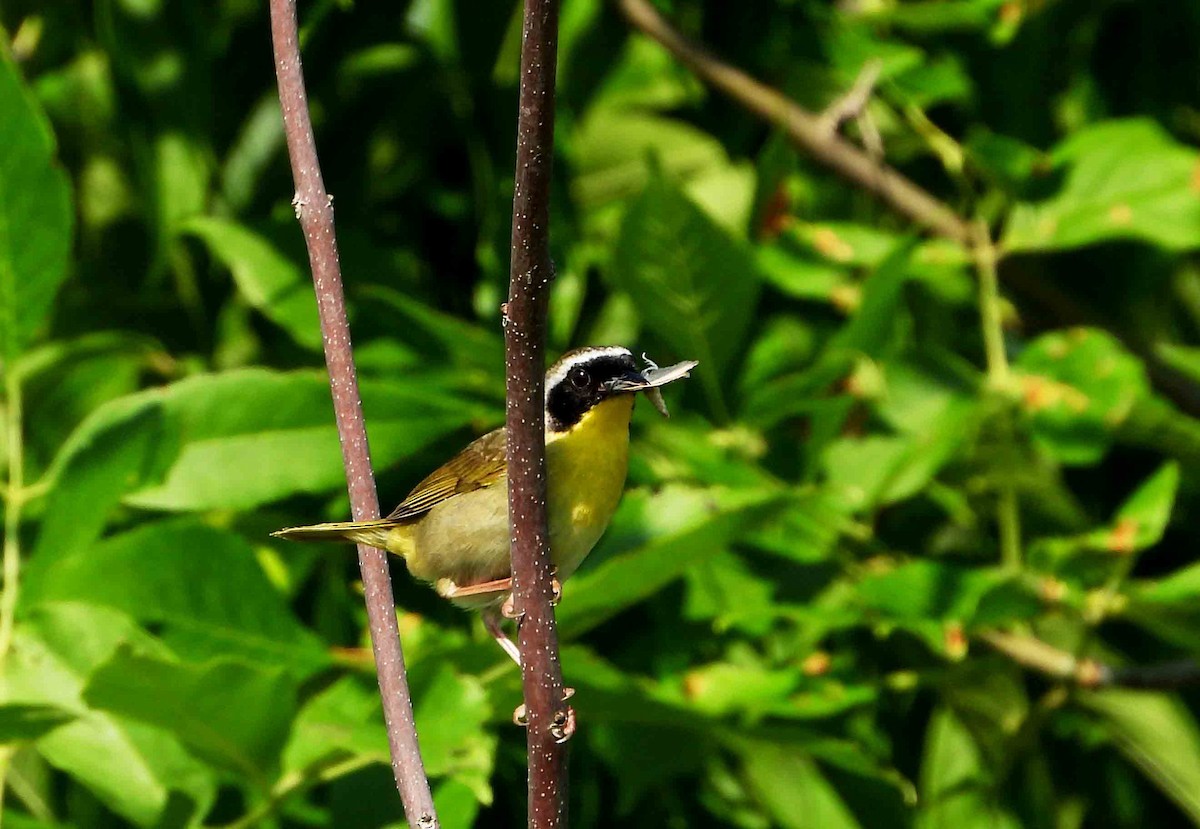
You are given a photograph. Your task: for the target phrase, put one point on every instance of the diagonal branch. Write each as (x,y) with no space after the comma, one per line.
(804,128)
(1030,652)
(549,719)
(314,209)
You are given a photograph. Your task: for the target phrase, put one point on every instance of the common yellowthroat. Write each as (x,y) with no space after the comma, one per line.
(452,529)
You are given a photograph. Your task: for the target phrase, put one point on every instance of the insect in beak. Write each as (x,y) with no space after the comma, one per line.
(650,379)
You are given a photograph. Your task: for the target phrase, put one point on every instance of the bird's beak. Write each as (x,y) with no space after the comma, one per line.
(650,379)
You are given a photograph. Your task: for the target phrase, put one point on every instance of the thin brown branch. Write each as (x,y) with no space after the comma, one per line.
(314,209)
(1030,652)
(550,720)
(805,129)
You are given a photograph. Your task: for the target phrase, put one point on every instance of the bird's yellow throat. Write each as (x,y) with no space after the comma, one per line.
(586,468)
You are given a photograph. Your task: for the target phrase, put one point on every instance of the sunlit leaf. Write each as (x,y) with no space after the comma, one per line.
(659,537)
(691,283)
(1158,734)
(957,788)
(344,720)
(204,584)
(230,713)
(450,712)
(254,436)
(1077,388)
(1125,179)
(132,768)
(122,448)
(792,789)
(28,721)
(270,282)
(35,215)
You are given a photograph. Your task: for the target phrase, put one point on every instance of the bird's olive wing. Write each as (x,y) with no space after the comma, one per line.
(481,464)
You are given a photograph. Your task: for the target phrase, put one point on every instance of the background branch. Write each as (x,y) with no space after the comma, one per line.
(805,129)
(549,719)
(314,209)
(1033,653)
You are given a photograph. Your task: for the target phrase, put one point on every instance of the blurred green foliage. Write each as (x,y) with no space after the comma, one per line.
(780,628)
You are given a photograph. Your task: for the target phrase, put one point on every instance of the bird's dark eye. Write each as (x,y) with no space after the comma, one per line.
(580,378)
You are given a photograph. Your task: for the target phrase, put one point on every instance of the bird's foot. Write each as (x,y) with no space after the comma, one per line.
(563,725)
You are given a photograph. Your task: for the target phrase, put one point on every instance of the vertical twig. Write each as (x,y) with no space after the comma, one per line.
(1008,515)
(314,209)
(14,496)
(524,338)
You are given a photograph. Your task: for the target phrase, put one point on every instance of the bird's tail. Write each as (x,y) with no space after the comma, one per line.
(372,533)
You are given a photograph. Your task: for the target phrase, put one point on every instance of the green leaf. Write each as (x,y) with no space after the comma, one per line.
(130,767)
(692,284)
(877,322)
(122,447)
(919,590)
(1143,517)
(65,380)
(1126,179)
(20,722)
(456,803)
(154,574)
(35,215)
(646,77)
(233,715)
(725,688)
(790,787)
(808,526)
(344,720)
(438,335)
(1168,607)
(1158,734)
(932,16)
(956,782)
(1078,387)
(668,532)
(451,711)
(254,436)
(614,150)
(803,276)
(726,591)
(270,282)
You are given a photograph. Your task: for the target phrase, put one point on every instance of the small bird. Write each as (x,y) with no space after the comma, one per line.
(452,529)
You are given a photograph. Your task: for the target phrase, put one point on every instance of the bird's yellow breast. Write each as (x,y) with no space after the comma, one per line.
(586,469)
(465,539)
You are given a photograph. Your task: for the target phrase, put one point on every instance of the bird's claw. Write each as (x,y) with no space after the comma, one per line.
(509,610)
(563,726)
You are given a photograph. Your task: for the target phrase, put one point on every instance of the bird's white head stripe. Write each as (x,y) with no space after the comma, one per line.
(558,371)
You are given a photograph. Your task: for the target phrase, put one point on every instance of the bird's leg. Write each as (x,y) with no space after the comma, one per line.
(486,589)
(491,620)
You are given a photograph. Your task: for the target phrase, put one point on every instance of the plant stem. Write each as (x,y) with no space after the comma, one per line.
(1033,653)
(991,318)
(314,209)
(550,721)
(295,782)
(12,509)
(1008,516)
(13,502)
